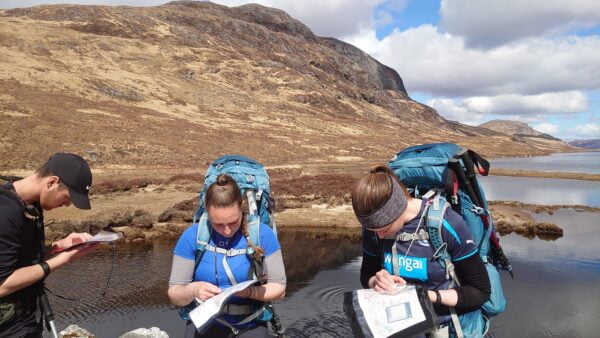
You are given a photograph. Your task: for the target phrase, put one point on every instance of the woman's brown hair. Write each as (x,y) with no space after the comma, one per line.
(374,189)
(226,193)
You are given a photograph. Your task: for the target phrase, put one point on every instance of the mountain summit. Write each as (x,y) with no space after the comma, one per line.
(181,83)
(516,128)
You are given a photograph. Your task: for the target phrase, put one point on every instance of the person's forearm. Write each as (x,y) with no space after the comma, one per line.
(448,297)
(180,295)
(267,292)
(29,275)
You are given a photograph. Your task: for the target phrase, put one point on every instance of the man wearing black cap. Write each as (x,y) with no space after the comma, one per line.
(64,179)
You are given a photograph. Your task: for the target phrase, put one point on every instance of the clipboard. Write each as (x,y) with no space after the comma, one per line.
(101,237)
(401,314)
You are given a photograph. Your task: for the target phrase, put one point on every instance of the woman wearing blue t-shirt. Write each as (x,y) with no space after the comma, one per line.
(224,205)
(385,209)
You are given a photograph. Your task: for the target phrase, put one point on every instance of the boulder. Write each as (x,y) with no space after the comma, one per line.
(152,332)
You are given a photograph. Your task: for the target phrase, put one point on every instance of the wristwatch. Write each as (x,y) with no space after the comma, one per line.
(438,297)
(45,267)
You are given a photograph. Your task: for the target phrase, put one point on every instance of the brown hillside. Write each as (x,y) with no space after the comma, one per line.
(179,84)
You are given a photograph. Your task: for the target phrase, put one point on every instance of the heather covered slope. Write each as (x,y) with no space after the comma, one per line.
(180,84)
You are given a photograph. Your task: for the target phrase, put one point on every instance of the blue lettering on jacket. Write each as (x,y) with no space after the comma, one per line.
(410,267)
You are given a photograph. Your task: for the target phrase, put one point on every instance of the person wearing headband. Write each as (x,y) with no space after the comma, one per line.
(393,221)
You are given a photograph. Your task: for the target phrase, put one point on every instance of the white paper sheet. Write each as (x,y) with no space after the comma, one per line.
(208,310)
(105,236)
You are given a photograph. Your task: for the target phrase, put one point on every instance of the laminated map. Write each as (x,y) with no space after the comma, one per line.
(404,311)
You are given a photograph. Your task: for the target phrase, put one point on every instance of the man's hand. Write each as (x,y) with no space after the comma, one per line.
(73,239)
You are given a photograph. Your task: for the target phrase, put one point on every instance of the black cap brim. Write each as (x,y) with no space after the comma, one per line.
(81,201)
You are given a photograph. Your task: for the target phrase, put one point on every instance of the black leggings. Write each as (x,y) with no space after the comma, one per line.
(260,331)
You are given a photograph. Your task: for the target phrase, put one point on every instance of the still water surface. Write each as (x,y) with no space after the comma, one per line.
(555,293)
(541,190)
(588,162)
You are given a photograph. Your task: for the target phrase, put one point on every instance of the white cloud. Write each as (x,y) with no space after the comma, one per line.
(441,65)
(514,104)
(533,108)
(547,128)
(455,111)
(492,23)
(591,130)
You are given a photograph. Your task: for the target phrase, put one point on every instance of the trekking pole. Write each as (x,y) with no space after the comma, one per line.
(462,180)
(472,184)
(470,168)
(48,314)
(276,322)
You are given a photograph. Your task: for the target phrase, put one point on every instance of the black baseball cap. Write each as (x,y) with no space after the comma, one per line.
(75,173)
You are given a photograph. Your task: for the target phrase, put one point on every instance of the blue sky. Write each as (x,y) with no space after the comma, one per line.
(536,61)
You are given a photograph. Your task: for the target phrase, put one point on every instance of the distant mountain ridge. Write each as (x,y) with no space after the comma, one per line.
(589,144)
(516,128)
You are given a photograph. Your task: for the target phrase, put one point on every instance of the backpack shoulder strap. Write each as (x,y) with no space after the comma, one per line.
(202,239)
(253,217)
(435,221)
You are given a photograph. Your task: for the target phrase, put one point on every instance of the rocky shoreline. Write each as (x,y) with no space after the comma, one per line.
(147,208)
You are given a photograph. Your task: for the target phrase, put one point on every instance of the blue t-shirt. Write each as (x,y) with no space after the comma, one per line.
(211,267)
(415,265)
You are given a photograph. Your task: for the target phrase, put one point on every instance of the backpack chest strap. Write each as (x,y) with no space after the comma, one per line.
(409,236)
(226,252)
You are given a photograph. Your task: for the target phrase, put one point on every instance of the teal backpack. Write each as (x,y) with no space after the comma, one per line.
(253,181)
(445,173)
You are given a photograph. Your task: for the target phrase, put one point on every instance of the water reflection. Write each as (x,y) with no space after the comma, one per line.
(541,190)
(136,296)
(588,162)
(304,257)
(556,289)
(316,310)
(555,292)
(137,293)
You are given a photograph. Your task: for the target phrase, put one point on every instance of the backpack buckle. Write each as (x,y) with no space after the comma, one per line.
(454,199)
(478,210)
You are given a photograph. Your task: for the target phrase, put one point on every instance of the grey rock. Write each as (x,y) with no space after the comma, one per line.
(152,332)
(74,331)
